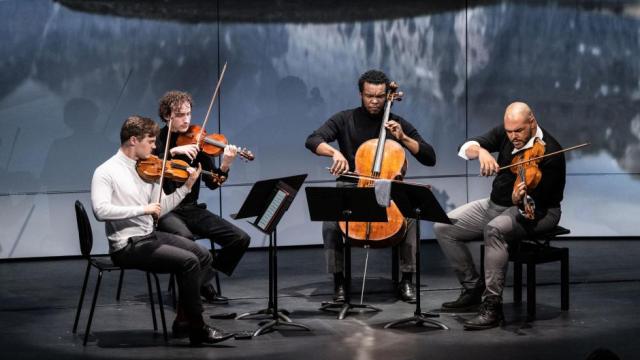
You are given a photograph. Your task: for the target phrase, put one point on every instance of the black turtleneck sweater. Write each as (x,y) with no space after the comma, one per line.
(353,127)
(202,159)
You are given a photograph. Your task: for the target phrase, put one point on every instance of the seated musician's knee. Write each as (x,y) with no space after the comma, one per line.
(206,259)
(191,263)
(244,239)
(441,230)
(493,236)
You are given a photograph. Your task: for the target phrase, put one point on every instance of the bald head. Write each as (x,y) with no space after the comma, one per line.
(519,123)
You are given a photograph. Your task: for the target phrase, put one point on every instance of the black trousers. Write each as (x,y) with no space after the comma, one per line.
(168,253)
(195,220)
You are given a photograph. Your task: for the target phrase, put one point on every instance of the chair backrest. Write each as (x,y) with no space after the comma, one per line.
(84,230)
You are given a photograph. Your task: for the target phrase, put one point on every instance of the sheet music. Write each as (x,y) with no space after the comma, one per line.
(272,209)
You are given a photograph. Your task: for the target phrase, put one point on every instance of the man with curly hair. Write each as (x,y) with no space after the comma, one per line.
(190,218)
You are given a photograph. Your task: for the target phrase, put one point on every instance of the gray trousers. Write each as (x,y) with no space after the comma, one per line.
(333,244)
(500,226)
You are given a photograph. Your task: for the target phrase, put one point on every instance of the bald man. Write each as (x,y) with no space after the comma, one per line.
(499,219)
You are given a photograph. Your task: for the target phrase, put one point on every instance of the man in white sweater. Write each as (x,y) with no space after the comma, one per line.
(128,205)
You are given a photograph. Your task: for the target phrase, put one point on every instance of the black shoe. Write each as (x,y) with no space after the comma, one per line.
(489,316)
(208,292)
(180,329)
(208,335)
(469,299)
(407,291)
(339,293)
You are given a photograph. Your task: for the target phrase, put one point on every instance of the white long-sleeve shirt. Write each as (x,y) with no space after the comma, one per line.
(119,195)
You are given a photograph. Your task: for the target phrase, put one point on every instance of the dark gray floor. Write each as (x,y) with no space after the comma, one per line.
(38,301)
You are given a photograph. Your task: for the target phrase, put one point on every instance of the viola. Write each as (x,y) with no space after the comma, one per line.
(527,171)
(150,170)
(212,144)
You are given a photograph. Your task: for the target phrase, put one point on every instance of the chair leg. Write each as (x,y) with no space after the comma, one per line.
(161,308)
(213,255)
(482,262)
(517,282)
(120,284)
(93,307)
(218,284)
(564,280)
(172,290)
(153,309)
(531,291)
(84,289)
(394,265)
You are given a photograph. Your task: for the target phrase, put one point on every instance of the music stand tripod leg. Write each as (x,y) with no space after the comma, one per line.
(419,318)
(346,306)
(268,311)
(273,324)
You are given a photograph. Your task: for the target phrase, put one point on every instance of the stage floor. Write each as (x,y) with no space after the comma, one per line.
(39,298)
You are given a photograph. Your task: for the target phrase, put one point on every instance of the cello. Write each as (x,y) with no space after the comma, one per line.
(380,158)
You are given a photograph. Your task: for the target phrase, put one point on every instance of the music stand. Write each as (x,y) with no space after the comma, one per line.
(268,200)
(417,202)
(345,204)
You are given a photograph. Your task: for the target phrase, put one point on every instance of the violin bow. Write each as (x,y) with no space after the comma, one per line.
(213,99)
(164,165)
(544,156)
(354,175)
(115,105)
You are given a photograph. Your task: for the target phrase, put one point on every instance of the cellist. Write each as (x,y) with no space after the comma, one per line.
(191,217)
(350,128)
(500,219)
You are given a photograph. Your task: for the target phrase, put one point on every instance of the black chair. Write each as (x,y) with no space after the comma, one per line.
(103,264)
(532,251)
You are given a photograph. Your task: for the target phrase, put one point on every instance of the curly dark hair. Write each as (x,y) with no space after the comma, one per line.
(139,127)
(373,77)
(171,101)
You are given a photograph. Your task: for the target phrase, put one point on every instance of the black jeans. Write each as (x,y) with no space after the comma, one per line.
(195,220)
(168,253)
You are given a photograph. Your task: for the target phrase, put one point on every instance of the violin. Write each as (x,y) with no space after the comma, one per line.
(150,170)
(212,144)
(380,158)
(527,171)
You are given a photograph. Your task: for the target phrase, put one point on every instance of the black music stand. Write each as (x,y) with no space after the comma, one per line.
(345,204)
(268,200)
(417,202)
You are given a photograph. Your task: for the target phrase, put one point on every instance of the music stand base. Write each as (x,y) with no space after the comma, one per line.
(344,308)
(272,325)
(420,319)
(282,314)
